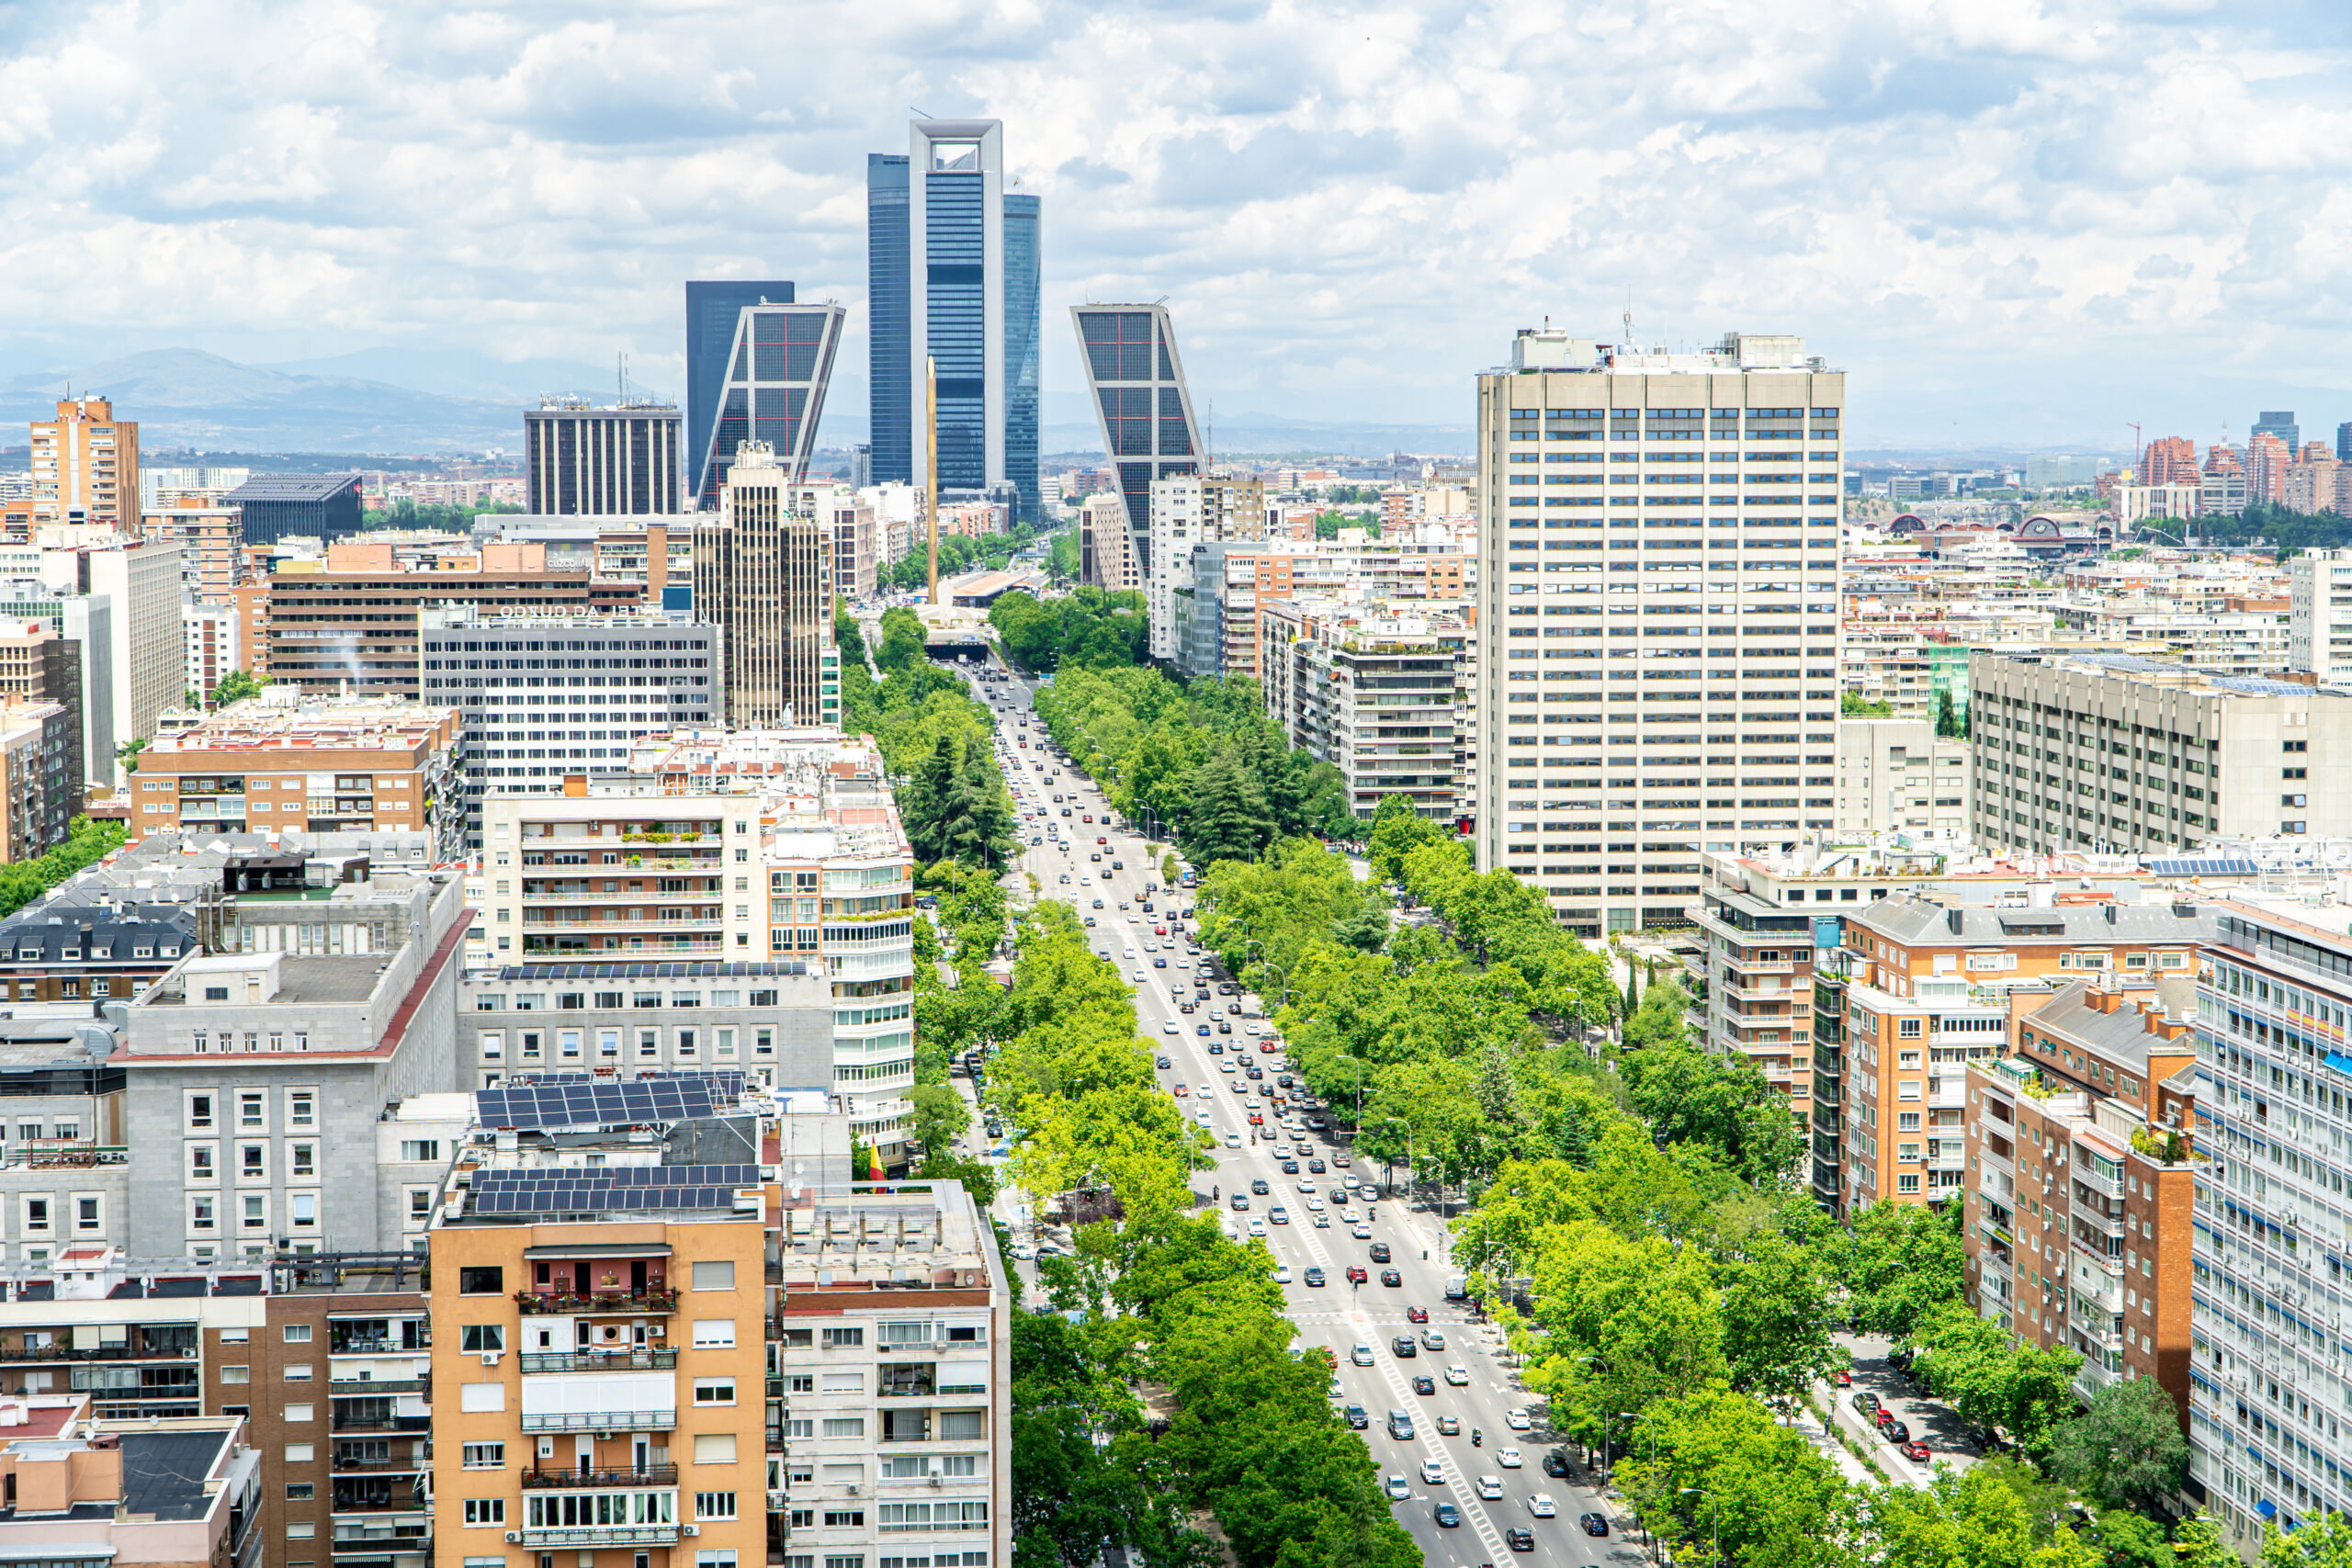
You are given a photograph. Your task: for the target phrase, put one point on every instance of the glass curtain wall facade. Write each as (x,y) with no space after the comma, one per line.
(1138,386)
(1023,326)
(713,312)
(955,311)
(890,373)
(774,389)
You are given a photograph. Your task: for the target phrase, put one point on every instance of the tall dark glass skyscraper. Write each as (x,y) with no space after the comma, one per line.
(889,353)
(1149,432)
(953,271)
(773,391)
(712,313)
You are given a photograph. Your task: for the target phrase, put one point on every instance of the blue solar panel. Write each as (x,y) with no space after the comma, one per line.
(575,1101)
(2204,867)
(573,1190)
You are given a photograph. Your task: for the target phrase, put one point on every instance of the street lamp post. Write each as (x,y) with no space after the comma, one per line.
(1715,1517)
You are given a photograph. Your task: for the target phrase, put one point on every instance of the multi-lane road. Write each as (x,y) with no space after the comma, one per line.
(1344,1318)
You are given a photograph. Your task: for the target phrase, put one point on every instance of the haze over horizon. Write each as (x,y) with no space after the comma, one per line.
(2018,225)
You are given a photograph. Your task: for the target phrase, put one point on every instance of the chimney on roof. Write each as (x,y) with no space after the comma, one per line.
(1954,920)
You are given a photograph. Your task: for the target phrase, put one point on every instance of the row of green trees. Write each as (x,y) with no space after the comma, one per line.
(86,843)
(1203,758)
(1158,1311)
(1088,628)
(958,553)
(937,739)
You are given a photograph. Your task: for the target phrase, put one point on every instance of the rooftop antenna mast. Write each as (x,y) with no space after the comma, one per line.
(624,378)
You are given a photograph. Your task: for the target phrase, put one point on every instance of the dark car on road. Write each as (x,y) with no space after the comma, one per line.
(1403,1345)
(1555,1462)
(1259,1186)
(1519,1539)
(1313,1275)
(1425,1385)
(1447,1515)
(1358,1417)
(1392,1279)
(1380,1252)
(1594,1524)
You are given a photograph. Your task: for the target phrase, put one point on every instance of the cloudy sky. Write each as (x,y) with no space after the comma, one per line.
(2024,221)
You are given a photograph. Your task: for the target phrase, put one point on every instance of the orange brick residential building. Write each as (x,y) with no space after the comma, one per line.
(309,765)
(85,466)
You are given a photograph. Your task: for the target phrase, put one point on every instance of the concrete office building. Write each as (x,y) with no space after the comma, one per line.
(583,461)
(2112,751)
(1372,693)
(2274,1008)
(85,466)
(1899,774)
(77,661)
(314,506)
(141,581)
(772,1021)
(1657,593)
(642,673)
(317,765)
(953,268)
(2319,613)
(771,391)
(261,1079)
(763,577)
(1136,380)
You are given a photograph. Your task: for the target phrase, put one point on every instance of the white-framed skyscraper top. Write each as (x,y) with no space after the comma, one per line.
(1137,382)
(968,300)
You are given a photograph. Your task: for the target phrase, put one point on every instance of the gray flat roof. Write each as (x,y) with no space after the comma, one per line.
(292,487)
(164,1473)
(300,982)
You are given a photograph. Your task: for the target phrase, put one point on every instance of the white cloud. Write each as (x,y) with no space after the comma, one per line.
(2135,214)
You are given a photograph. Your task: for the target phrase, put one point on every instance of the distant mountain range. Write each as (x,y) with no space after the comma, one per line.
(385,402)
(186,397)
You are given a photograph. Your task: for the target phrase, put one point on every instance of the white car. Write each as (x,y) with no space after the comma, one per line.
(1307,1185)
(1282,1273)
(1322,1221)
(1361,1230)
(1400,1489)
(1348,1215)
(1131,950)
(1280,1151)
(1490,1488)
(1202,1117)
(1140,975)
(1458,1376)
(1151,946)
(1542,1506)
(1431,1473)
(1232,1140)
(1314,1207)
(1257,1227)
(1507,1458)
(1516,1420)
(1249,1029)
(1169,1027)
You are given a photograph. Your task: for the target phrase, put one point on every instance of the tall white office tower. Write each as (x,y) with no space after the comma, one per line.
(1659,614)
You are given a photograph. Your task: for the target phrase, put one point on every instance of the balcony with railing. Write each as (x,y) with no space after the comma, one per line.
(638,1360)
(597,1302)
(384,1533)
(539,1480)
(599,1420)
(377,1494)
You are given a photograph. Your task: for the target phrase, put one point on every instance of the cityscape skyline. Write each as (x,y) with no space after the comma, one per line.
(2099,263)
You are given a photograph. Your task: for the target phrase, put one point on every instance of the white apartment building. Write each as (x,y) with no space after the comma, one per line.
(2270,1439)
(748,847)
(1187,510)
(2319,612)
(211,632)
(1898,774)
(1373,693)
(1658,591)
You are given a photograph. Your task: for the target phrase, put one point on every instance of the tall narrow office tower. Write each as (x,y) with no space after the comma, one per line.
(714,311)
(773,390)
(764,576)
(1137,382)
(952,275)
(1657,593)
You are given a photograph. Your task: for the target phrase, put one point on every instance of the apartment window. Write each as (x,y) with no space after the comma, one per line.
(199,1162)
(493,1045)
(844,1382)
(838,1336)
(253,1162)
(845,1426)
(249,1114)
(485,1510)
(1908,1028)
(420,1203)
(301,1108)
(202,1216)
(302,1211)
(714,1505)
(256,1213)
(490,1280)
(299,1372)
(299,1453)
(300,1491)
(482,1456)
(715,1275)
(297,1334)
(200,1112)
(719,1448)
(713,1390)
(305,1160)
(474,1338)
(302,1413)
(720,1332)
(237,1374)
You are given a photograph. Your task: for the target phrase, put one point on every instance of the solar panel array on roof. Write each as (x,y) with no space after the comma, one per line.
(555,1105)
(2204,867)
(574,1190)
(703,969)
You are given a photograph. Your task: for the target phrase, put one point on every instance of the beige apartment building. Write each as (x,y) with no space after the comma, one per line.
(85,466)
(211,540)
(1106,554)
(763,577)
(2121,753)
(1896,775)
(1657,614)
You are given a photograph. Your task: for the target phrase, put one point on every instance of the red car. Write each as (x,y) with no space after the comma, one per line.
(1159,931)
(1915,1450)
(1266,1047)
(1358,1274)
(1100,839)
(1256,1119)
(1842,1378)
(1417,1314)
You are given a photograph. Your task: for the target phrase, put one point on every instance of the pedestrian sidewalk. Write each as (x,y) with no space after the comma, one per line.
(1839,1454)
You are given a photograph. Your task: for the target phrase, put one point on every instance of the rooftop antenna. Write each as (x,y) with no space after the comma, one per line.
(624,378)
